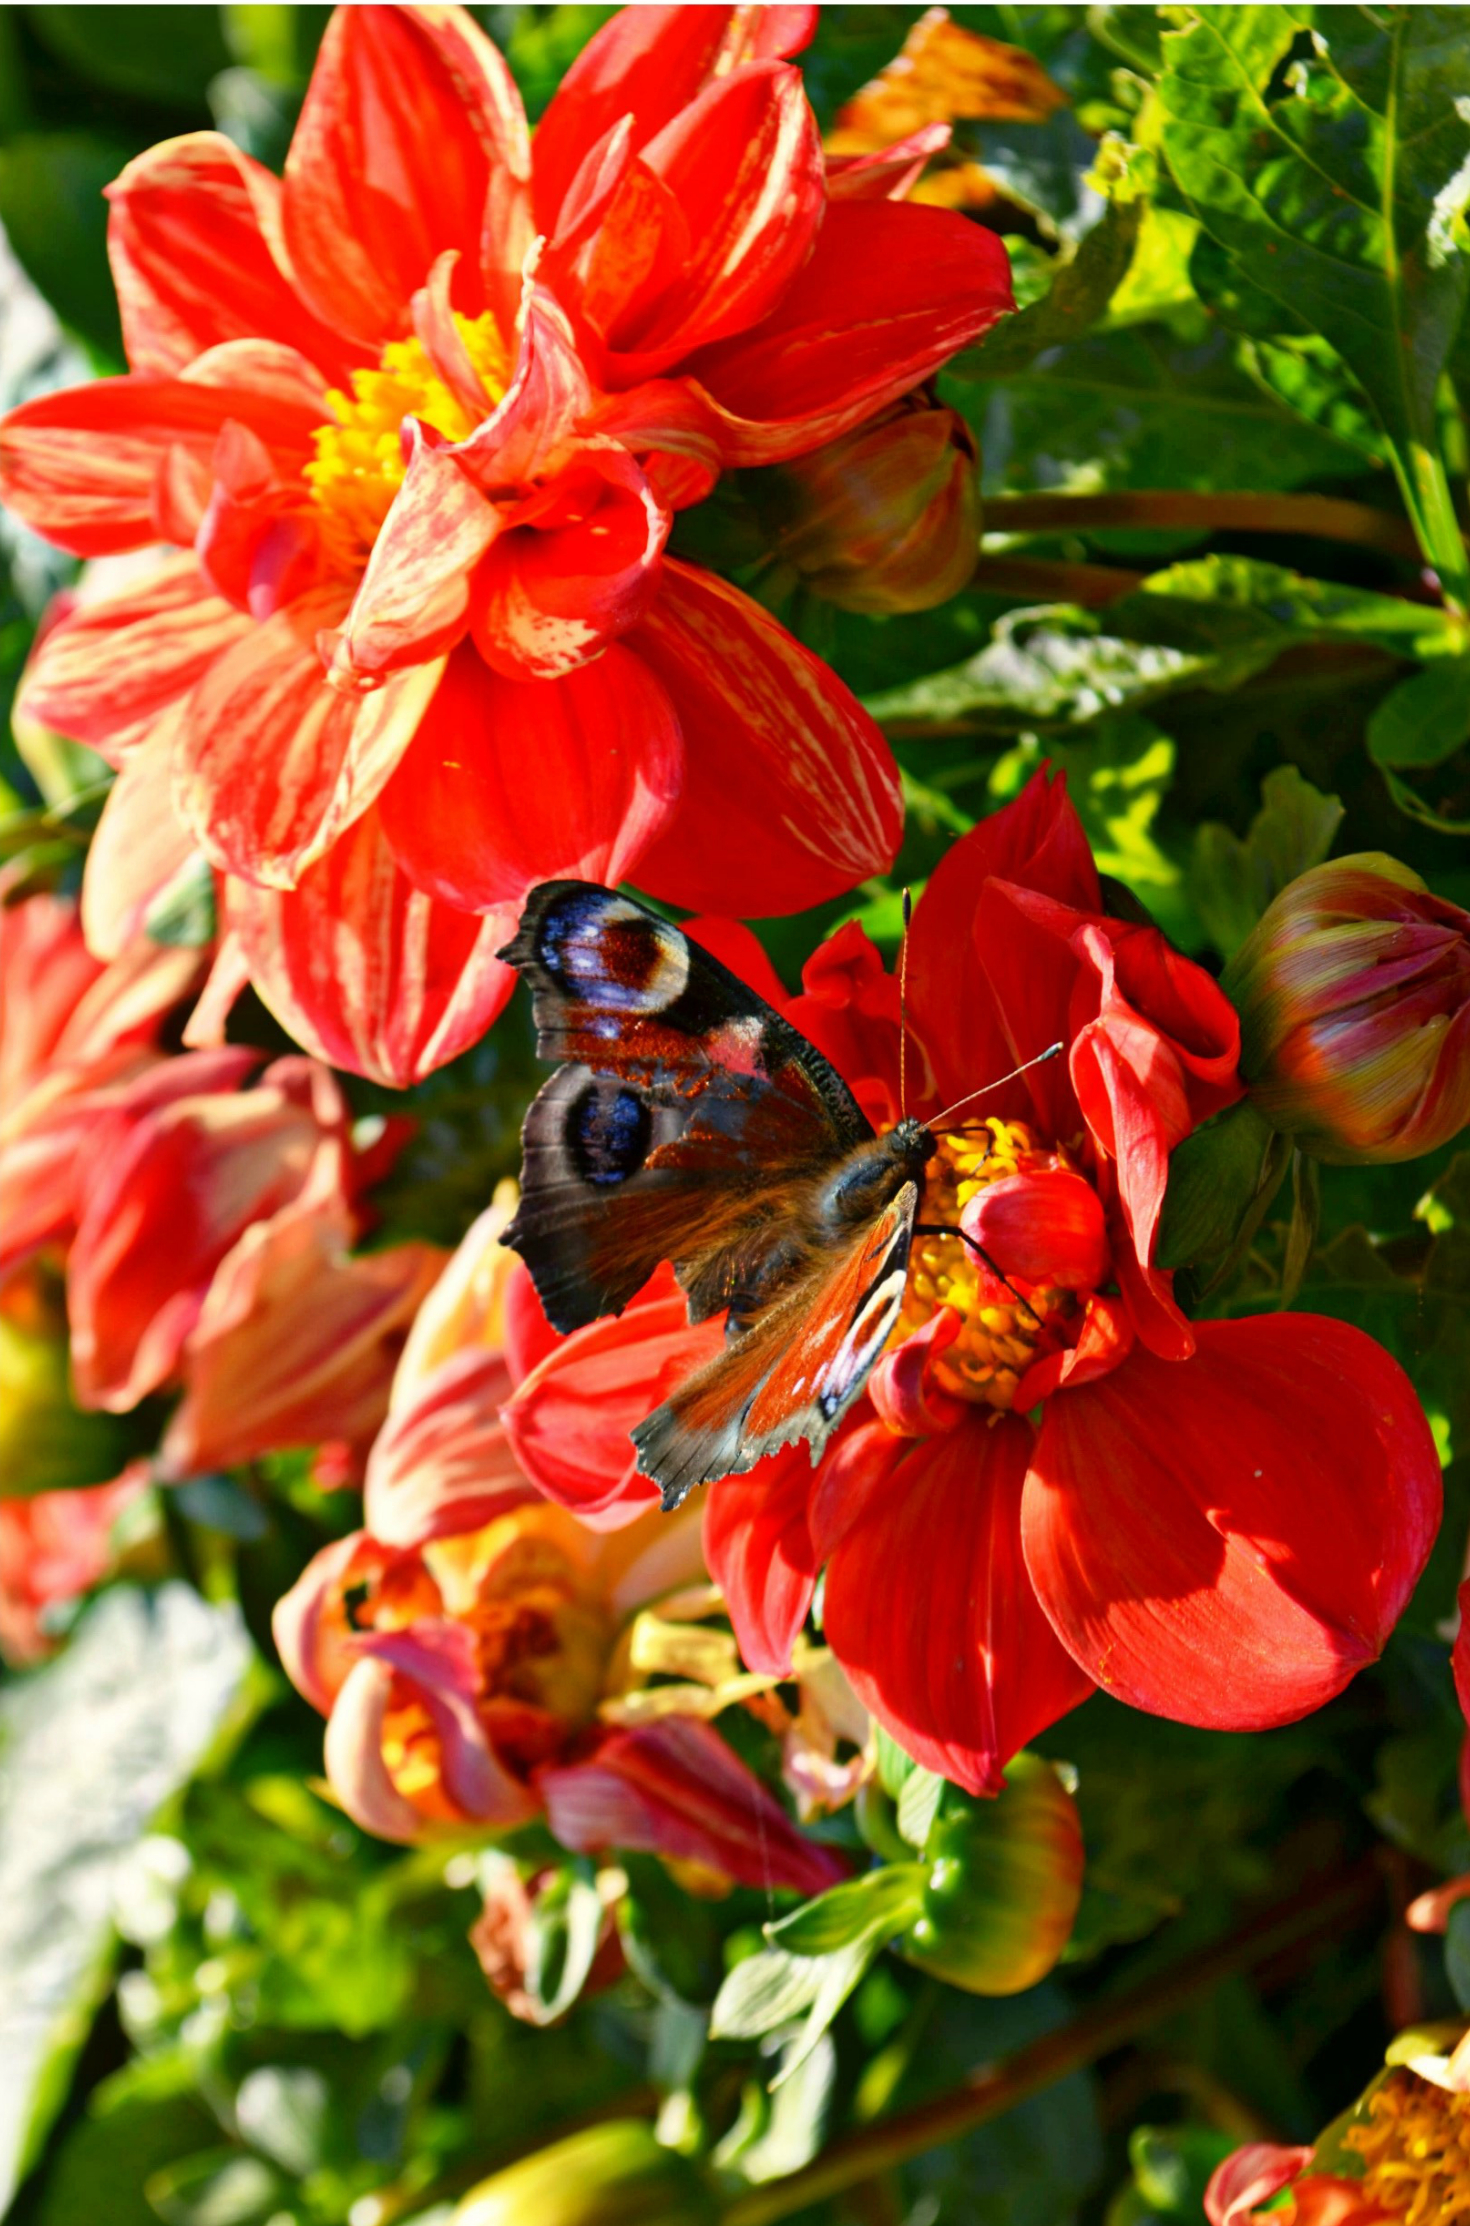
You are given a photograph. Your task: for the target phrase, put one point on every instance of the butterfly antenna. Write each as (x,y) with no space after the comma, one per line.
(937,1120)
(903,1008)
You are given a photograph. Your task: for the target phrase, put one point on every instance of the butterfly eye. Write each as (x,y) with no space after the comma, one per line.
(607,1132)
(612,954)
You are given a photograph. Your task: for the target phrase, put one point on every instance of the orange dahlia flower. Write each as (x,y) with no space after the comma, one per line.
(416,419)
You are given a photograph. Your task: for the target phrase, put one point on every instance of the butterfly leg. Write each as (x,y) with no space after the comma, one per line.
(947,1229)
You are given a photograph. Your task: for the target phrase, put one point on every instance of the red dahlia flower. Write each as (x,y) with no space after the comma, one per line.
(1055,1481)
(417,418)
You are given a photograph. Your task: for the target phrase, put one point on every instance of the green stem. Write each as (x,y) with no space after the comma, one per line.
(1311,1919)
(1426,490)
(1321,515)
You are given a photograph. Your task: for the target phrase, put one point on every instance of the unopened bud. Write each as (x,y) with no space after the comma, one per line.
(1354,999)
(609,2175)
(1004,1880)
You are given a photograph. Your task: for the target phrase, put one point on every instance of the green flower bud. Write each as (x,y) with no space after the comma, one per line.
(1004,1880)
(608,2175)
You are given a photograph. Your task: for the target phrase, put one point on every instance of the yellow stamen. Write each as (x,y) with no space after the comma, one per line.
(995,1345)
(358,466)
(1415,2145)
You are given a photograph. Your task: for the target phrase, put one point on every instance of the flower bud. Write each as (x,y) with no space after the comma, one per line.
(1004,1880)
(885,519)
(1354,1000)
(608,2175)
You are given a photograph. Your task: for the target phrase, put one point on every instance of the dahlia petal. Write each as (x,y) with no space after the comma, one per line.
(367,971)
(890,293)
(444,343)
(444,1463)
(1046,1226)
(436,1662)
(1104,1342)
(849,1008)
(527,1336)
(1250,2177)
(412,603)
(742,166)
(139,848)
(888,173)
(965,1685)
(759,1548)
(1227,1540)
(790,794)
(647,64)
(675,1789)
(295,1340)
(83,465)
(549,394)
(672,427)
(409,114)
(259,538)
(469,826)
(578,566)
(1004,983)
(467,1306)
(273,762)
(905,1396)
(107,670)
(180,216)
(353,1754)
(163,1207)
(569,1420)
(314,1635)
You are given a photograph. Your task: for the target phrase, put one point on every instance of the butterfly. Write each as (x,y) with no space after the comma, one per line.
(688,1122)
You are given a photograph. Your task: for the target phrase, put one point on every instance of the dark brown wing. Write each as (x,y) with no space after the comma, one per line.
(687,1123)
(794,1372)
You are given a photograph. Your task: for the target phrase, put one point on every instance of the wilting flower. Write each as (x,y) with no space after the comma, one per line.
(70,1027)
(1218,1522)
(470,1647)
(1354,1000)
(1401,2155)
(416,420)
(887,518)
(54,1547)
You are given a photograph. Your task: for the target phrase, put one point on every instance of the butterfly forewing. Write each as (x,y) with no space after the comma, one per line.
(686,1118)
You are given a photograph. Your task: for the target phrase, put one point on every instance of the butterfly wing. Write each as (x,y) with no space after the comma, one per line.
(796,1369)
(687,1120)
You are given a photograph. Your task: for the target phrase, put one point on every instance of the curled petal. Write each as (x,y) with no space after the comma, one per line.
(759,1547)
(674,1788)
(1250,2177)
(413,601)
(887,173)
(569,1421)
(409,115)
(549,395)
(578,565)
(902,1388)
(435,1664)
(1046,1226)
(470,822)
(965,1685)
(139,850)
(1103,1343)
(181,214)
(366,970)
(443,1462)
(791,794)
(313,1633)
(354,1755)
(1226,1540)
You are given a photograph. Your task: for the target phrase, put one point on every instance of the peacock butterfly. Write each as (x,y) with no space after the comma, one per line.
(688,1122)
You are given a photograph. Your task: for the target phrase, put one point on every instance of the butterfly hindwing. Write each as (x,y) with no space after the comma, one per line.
(794,1372)
(686,1123)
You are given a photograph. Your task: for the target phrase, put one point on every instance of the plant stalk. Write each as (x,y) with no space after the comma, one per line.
(1312,1918)
(1324,516)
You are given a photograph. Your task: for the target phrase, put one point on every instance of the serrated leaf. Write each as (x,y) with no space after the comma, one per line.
(1329,173)
(887,1896)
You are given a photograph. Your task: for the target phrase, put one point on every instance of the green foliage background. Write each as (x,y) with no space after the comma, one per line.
(1241,253)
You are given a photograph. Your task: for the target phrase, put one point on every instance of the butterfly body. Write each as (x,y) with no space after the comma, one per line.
(689,1122)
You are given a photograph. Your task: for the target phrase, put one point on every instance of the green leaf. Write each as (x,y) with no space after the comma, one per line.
(1081,290)
(1334,191)
(281,2110)
(918,1805)
(1425,719)
(1233,881)
(1222,1179)
(891,1895)
(93,1745)
(772,1988)
(779,2131)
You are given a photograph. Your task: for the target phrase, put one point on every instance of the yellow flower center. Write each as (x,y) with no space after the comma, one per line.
(358,466)
(996,1342)
(1416,2147)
